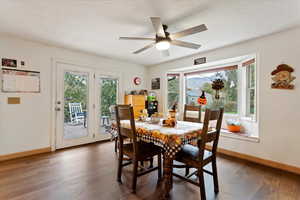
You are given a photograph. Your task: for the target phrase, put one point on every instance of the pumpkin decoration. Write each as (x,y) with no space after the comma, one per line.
(217,85)
(234,126)
(202,99)
(171,122)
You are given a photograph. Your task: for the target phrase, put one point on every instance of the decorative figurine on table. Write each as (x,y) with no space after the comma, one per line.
(282,77)
(171,121)
(143,115)
(202,99)
(173,110)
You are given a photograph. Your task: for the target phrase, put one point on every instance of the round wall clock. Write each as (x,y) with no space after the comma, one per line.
(137,80)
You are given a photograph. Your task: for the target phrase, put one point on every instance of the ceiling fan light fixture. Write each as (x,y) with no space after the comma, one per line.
(162,45)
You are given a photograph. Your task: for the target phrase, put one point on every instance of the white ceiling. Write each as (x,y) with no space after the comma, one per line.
(94,26)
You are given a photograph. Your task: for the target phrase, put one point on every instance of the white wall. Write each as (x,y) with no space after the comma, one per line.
(28,126)
(278,110)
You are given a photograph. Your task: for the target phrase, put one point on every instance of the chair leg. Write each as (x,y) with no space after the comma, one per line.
(159,166)
(215,175)
(116,145)
(151,162)
(120,166)
(134,179)
(172,181)
(202,184)
(187,171)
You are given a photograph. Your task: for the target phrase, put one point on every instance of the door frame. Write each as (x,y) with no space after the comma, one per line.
(97,70)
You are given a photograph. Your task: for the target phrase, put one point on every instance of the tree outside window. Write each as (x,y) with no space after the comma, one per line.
(75,91)
(173,89)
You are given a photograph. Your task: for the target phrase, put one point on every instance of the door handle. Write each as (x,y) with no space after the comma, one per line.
(57,109)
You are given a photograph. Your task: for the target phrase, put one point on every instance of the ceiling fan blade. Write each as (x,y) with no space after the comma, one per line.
(189,31)
(185,44)
(165,53)
(136,38)
(158,27)
(144,48)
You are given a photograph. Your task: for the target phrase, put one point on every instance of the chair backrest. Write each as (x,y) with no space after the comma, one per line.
(125,112)
(75,108)
(211,134)
(192,108)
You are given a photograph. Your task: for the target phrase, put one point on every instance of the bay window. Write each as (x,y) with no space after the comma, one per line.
(238,95)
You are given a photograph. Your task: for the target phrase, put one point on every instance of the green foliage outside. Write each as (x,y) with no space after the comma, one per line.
(75,91)
(108,95)
(230,91)
(229,96)
(173,90)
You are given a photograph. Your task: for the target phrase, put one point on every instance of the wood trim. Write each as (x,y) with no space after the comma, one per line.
(248,62)
(233,67)
(24,154)
(173,74)
(261,161)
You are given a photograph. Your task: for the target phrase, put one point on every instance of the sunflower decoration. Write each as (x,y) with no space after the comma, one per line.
(217,85)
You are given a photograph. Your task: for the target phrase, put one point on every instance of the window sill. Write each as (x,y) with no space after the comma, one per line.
(239,136)
(249,119)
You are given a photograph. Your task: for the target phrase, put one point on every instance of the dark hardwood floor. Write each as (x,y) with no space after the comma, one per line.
(89,173)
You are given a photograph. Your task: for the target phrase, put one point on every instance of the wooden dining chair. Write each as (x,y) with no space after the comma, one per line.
(192,108)
(189,119)
(136,151)
(198,156)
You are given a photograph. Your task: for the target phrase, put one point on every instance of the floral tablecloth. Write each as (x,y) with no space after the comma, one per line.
(170,139)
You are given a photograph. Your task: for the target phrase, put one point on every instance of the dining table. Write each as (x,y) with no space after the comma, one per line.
(170,139)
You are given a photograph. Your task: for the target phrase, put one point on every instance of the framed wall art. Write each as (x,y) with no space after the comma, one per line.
(155,84)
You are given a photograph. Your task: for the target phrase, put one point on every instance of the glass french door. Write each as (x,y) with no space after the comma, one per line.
(107,98)
(84,101)
(74,105)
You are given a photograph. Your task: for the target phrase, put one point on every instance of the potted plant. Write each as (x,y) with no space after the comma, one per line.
(234,125)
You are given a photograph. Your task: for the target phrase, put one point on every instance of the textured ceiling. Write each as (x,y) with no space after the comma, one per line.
(94,26)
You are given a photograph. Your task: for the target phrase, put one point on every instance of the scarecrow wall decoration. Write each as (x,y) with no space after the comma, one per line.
(282,77)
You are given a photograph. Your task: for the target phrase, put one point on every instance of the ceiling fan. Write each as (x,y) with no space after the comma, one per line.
(164,39)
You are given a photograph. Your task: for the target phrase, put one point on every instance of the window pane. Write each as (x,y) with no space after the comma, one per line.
(250,90)
(173,90)
(252,102)
(75,105)
(198,82)
(251,76)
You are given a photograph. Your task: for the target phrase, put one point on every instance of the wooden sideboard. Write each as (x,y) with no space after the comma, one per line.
(137,102)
